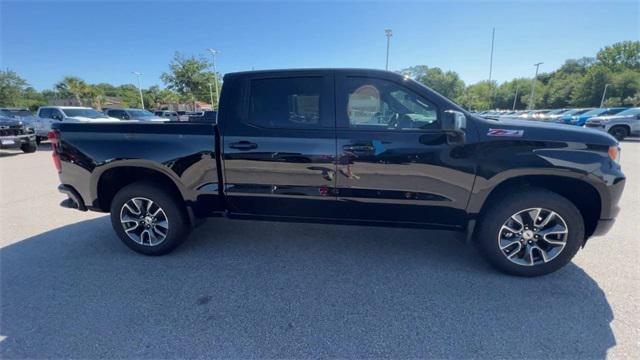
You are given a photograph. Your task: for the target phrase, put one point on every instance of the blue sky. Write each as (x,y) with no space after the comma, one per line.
(106,41)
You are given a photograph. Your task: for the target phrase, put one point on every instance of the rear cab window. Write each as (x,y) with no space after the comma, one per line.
(288,103)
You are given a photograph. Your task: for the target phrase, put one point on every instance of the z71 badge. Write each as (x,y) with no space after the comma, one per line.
(505,132)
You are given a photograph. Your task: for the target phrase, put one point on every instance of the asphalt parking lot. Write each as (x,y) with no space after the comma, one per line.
(70,288)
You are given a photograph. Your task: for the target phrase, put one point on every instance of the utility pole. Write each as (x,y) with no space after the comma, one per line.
(604,93)
(493,35)
(138,74)
(533,85)
(515,97)
(388,33)
(215,52)
(211,93)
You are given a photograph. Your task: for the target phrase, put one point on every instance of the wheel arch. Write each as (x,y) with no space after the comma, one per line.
(581,193)
(108,181)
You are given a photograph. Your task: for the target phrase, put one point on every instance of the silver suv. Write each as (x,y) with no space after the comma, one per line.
(623,124)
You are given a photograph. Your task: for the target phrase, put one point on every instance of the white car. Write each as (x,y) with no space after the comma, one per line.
(623,124)
(48,115)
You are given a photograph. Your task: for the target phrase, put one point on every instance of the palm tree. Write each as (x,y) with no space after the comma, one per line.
(72,86)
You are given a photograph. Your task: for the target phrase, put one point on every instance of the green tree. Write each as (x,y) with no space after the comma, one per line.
(12,87)
(189,77)
(446,83)
(621,55)
(73,86)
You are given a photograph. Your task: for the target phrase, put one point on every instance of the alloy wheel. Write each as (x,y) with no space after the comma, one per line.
(533,236)
(144,221)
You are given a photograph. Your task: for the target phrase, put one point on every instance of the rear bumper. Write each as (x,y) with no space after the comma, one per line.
(74,200)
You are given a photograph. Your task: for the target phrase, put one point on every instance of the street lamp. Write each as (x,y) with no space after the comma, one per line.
(211,93)
(604,93)
(533,85)
(515,97)
(138,74)
(215,52)
(388,33)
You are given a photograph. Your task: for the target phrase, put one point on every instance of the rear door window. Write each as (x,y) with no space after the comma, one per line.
(290,103)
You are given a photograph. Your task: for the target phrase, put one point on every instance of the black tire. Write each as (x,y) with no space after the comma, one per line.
(29,147)
(619,132)
(501,210)
(172,206)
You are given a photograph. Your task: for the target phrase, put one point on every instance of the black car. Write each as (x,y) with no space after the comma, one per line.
(353,147)
(206,116)
(14,134)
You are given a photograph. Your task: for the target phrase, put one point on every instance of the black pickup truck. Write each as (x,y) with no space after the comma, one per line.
(354,147)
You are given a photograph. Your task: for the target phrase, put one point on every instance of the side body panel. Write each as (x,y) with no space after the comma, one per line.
(277,171)
(184,152)
(400,175)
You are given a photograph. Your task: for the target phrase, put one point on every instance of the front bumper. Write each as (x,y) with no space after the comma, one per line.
(16,141)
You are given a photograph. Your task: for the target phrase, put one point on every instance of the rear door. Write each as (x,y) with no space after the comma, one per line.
(394,162)
(279,144)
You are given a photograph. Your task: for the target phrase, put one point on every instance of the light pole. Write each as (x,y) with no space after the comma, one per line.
(388,33)
(215,52)
(533,85)
(138,74)
(211,93)
(493,35)
(515,97)
(604,93)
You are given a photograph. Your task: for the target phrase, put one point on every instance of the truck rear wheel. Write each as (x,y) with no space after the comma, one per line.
(148,219)
(531,233)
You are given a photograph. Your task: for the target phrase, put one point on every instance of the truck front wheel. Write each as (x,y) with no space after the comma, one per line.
(29,147)
(619,132)
(530,233)
(148,219)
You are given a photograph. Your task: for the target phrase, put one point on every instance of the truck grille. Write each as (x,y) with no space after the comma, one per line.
(11,130)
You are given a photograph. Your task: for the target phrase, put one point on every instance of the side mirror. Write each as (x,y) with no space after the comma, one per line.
(454,124)
(57,117)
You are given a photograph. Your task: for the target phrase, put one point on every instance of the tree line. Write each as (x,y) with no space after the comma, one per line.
(577,83)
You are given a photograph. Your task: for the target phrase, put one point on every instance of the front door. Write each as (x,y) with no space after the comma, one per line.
(395,164)
(280,146)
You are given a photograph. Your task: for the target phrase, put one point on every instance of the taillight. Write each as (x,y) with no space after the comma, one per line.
(54,138)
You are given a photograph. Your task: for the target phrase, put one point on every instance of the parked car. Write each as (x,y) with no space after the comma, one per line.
(26,117)
(171,115)
(567,116)
(207,116)
(349,146)
(48,115)
(552,115)
(133,114)
(14,134)
(580,120)
(623,124)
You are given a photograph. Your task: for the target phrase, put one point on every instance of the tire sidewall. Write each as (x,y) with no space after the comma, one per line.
(619,132)
(176,217)
(496,216)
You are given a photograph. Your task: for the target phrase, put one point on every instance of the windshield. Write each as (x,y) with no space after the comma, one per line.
(580,112)
(595,112)
(12,112)
(90,113)
(632,111)
(140,113)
